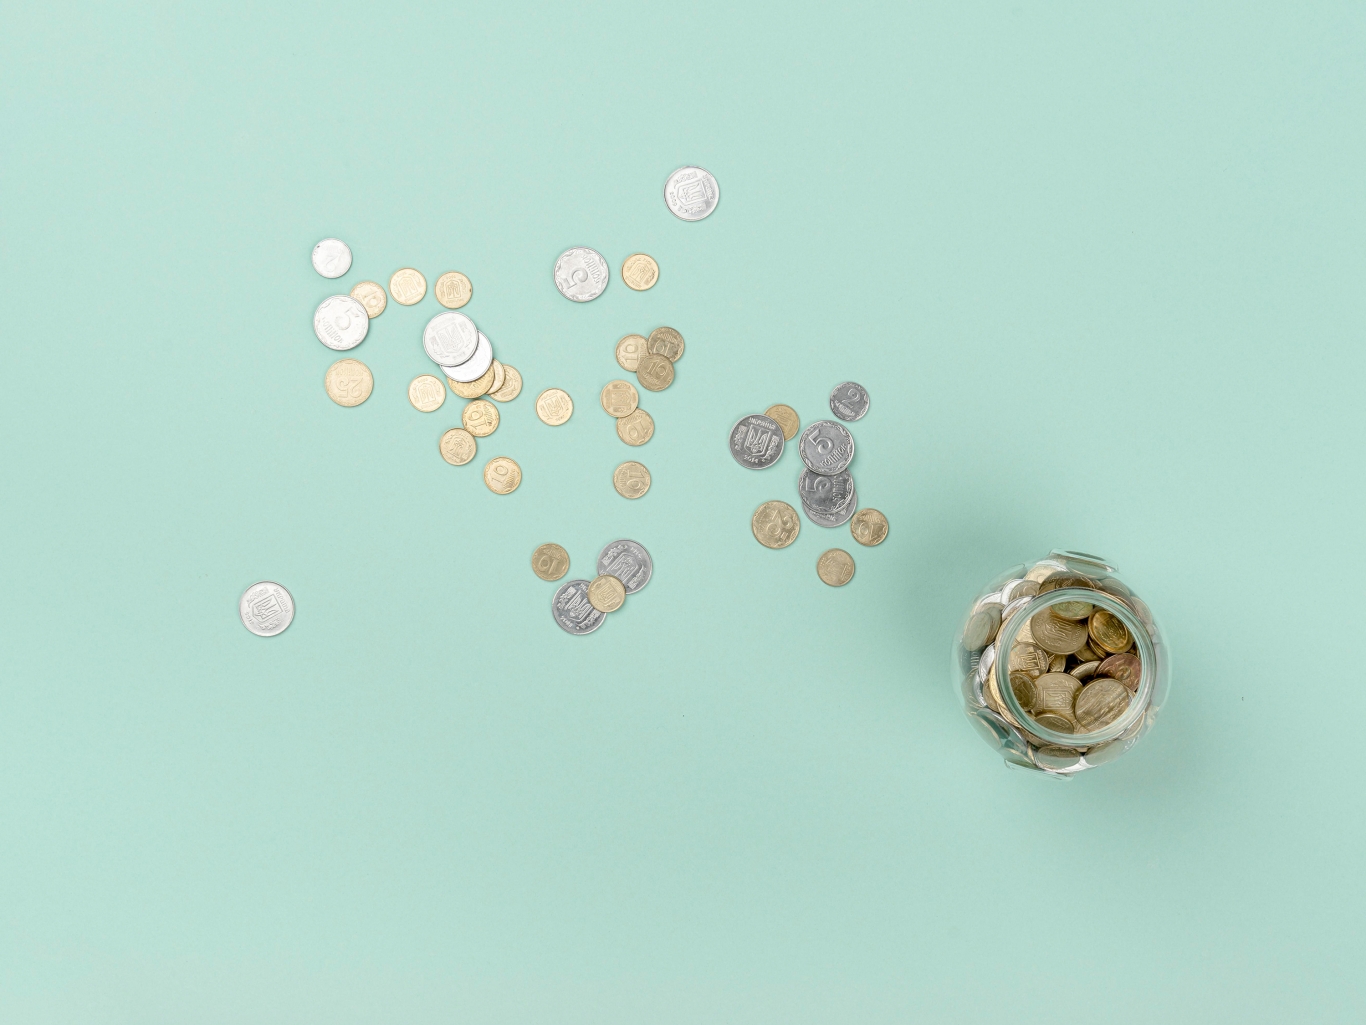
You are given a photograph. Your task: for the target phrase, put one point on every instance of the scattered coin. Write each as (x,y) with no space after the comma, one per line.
(331,258)
(372,297)
(835,567)
(637,428)
(629,351)
(629,562)
(825,494)
(502,475)
(836,517)
(619,398)
(654,372)
(554,406)
(266,608)
(498,377)
(550,561)
(476,366)
(756,442)
(458,446)
(775,524)
(631,479)
(340,322)
(426,393)
(691,193)
(453,290)
(606,593)
(479,386)
(826,447)
(480,418)
(581,274)
(511,387)
(573,611)
(348,382)
(450,339)
(786,418)
(869,527)
(640,272)
(849,401)
(666,342)
(407,286)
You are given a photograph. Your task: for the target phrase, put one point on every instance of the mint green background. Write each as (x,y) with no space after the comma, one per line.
(1101,269)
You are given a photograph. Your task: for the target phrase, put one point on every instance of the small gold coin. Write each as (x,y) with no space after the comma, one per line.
(1029,658)
(407,286)
(785,417)
(629,351)
(835,567)
(1126,668)
(458,446)
(666,342)
(371,296)
(554,406)
(452,290)
(636,429)
(550,562)
(620,398)
(1055,692)
(606,593)
(1100,703)
(631,479)
(775,524)
(511,388)
(1109,632)
(480,418)
(1056,635)
(498,377)
(481,385)
(654,372)
(1025,691)
(1057,723)
(502,475)
(426,393)
(869,527)
(348,382)
(640,272)
(1085,671)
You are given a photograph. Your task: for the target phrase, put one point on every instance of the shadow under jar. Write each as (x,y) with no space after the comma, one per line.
(1060,666)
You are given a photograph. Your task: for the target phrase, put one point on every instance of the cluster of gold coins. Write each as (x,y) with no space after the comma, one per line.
(652,360)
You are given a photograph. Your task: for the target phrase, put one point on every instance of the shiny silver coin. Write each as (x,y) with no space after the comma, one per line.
(756,441)
(573,611)
(450,339)
(266,609)
(474,367)
(629,562)
(849,401)
(341,322)
(331,258)
(825,493)
(581,274)
(826,447)
(691,193)
(837,518)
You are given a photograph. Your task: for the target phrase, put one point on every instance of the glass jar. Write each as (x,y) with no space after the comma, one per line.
(1045,698)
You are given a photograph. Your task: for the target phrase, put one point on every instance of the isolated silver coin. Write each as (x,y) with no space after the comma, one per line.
(826,447)
(581,274)
(629,562)
(266,609)
(691,193)
(331,258)
(825,494)
(450,339)
(573,611)
(756,441)
(833,519)
(341,322)
(474,367)
(849,401)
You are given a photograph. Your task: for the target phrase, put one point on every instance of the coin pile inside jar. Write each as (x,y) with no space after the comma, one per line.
(580,606)
(652,360)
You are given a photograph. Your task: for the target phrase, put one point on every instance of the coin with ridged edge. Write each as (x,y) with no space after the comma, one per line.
(629,351)
(453,290)
(629,562)
(606,593)
(756,442)
(637,428)
(691,193)
(666,342)
(581,274)
(266,608)
(572,610)
(619,398)
(449,339)
(775,524)
(849,401)
(331,258)
(407,286)
(835,567)
(826,446)
(869,527)
(479,386)
(426,393)
(511,386)
(348,382)
(370,294)
(631,479)
(340,322)
(480,418)
(458,446)
(1100,703)
(554,406)
(639,272)
(502,475)
(785,417)
(550,561)
(654,372)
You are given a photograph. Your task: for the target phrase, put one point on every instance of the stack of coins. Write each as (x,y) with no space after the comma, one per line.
(652,360)
(580,606)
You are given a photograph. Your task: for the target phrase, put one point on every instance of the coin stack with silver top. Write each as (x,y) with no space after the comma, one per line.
(580,606)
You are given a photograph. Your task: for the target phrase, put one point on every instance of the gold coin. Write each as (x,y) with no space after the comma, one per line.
(458,446)
(348,382)
(498,376)
(1057,664)
(480,418)
(1085,671)
(835,567)
(869,527)
(481,385)
(407,286)
(636,429)
(1028,658)
(1055,692)
(1025,691)
(654,372)
(775,524)
(666,342)
(606,593)
(619,398)
(426,393)
(785,417)
(554,407)
(1126,668)
(1109,632)
(640,272)
(502,475)
(631,479)
(371,296)
(629,351)
(452,290)
(550,562)
(1055,635)
(512,385)
(1100,703)
(1058,724)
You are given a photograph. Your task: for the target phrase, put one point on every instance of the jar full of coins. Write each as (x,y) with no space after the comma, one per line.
(1060,665)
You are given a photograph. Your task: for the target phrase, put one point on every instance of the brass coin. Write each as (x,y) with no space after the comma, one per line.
(1056,636)
(631,479)
(869,527)
(550,562)
(620,398)
(835,567)
(407,286)
(666,342)
(1126,668)
(1025,691)
(1057,723)
(554,406)
(636,429)
(1028,658)
(426,393)
(654,372)
(606,593)
(775,524)
(1100,703)
(502,475)
(1072,609)
(640,272)
(348,382)
(1057,664)
(511,387)
(452,290)
(1109,632)
(480,418)
(371,296)
(458,446)
(785,417)
(498,377)
(1055,692)
(1087,654)
(1085,671)
(479,386)
(629,351)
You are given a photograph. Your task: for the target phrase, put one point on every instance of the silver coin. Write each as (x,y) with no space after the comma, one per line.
(450,339)
(331,258)
(573,611)
(691,193)
(629,562)
(474,367)
(756,441)
(837,518)
(825,493)
(826,447)
(581,274)
(849,401)
(341,322)
(266,609)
